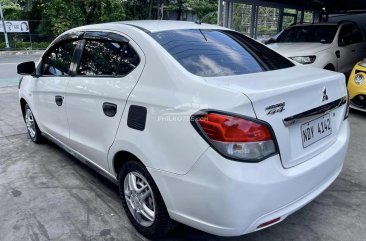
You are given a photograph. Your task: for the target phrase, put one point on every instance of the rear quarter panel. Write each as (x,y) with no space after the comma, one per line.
(171,95)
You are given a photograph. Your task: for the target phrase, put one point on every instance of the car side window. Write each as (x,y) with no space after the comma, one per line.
(350,34)
(129,60)
(107,58)
(57,61)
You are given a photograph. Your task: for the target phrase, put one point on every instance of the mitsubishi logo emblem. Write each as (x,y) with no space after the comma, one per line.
(325,96)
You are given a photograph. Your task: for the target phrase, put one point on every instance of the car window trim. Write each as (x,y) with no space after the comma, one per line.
(105,36)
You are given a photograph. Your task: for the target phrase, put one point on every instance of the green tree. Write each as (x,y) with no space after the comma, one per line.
(138,9)
(60,15)
(203,9)
(11,9)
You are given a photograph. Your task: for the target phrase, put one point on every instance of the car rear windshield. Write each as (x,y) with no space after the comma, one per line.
(211,53)
(316,34)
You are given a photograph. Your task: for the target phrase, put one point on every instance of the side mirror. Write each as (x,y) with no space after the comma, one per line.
(26,68)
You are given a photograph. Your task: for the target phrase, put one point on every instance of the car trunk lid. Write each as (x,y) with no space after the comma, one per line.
(304,106)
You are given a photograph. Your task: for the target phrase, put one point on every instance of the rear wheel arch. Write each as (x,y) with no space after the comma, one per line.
(121,158)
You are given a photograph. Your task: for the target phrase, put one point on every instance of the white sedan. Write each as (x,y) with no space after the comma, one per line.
(196,123)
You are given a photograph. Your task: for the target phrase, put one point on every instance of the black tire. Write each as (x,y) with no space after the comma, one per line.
(37,136)
(162,224)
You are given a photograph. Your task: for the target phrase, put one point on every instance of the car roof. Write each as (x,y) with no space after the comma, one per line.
(155,25)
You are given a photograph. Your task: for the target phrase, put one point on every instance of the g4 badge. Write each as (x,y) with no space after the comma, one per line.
(277,108)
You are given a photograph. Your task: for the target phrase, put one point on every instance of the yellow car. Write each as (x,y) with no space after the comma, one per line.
(357,86)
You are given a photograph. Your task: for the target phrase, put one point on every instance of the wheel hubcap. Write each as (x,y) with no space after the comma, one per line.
(29,120)
(139,198)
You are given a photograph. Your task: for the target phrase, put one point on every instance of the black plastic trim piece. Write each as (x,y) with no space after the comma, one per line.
(197,127)
(137,117)
(106,36)
(69,36)
(59,99)
(20,82)
(109,109)
(360,71)
(26,68)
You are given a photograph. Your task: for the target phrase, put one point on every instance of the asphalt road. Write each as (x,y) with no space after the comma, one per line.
(46,194)
(8,68)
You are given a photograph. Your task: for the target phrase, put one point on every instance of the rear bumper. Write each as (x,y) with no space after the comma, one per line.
(355,107)
(358,101)
(229,198)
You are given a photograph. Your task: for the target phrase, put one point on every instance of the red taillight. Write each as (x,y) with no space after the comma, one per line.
(236,137)
(233,129)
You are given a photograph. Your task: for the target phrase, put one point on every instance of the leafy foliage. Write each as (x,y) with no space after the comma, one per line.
(56,16)
(11,9)
(60,15)
(203,7)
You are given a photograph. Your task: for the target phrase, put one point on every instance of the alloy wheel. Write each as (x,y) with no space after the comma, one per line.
(31,125)
(139,198)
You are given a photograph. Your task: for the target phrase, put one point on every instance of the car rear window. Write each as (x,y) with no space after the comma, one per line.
(211,53)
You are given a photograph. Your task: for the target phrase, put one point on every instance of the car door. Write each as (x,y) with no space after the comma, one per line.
(347,47)
(360,44)
(108,69)
(50,88)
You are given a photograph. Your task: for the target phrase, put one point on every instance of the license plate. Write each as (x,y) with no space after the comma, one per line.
(315,130)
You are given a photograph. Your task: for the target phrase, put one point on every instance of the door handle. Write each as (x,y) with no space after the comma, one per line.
(109,109)
(59,99)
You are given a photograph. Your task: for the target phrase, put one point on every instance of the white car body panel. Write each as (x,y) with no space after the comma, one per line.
(85,98)
(199,186)
(52,117)
(349,57)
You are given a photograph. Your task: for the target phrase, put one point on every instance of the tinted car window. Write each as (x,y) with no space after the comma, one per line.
(107,58)
(212,53)
(129,60)
(57,61)
(345,35)
(356,35)
(316,34)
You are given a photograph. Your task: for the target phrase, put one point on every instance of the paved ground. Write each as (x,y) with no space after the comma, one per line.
(45,194)
(8,64)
